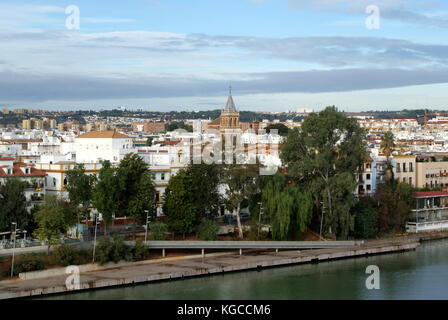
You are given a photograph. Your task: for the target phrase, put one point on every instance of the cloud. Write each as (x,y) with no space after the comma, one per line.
(112,51)
(406,11)
(33,88)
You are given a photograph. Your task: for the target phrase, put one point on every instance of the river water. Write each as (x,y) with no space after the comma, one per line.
(419,274)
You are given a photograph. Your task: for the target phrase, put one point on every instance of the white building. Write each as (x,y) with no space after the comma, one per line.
(96,146)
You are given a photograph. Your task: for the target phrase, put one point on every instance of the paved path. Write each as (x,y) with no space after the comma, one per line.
(163,269)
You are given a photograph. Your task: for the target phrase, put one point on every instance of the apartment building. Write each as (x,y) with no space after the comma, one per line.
(404,167)
(432,174)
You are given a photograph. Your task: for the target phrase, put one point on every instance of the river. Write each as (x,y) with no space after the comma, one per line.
(419,274)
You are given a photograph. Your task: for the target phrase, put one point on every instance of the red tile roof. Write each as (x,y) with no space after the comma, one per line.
(422,194)
(17,172)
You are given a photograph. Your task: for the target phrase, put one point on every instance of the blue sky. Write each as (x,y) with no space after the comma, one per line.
(183,55)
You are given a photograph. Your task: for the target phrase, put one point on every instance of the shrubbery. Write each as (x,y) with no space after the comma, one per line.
(113,250)
(158,230)
(27,263)
(65,255)
(140,251)
(208,230)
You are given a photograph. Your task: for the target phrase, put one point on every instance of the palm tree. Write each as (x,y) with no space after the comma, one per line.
(387,145)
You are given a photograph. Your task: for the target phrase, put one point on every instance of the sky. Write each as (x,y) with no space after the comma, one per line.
(276,55)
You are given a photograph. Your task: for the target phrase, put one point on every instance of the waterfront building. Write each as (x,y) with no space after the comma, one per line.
(432,174)
(430,212)
(404,168)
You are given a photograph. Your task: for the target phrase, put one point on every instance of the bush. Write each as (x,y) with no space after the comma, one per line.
(158,230)
(27,263)
(365,219)
(208,230)
(141,251)
(65,255)
(113,250)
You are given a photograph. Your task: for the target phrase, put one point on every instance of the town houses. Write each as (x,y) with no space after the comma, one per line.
(41,153)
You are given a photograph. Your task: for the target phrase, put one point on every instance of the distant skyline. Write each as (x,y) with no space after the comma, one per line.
(183,55)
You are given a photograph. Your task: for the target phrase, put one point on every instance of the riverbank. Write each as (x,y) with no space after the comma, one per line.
(177,268)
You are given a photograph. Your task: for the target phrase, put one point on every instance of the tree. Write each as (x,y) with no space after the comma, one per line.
(282,130)
(182,214)
(287,208)
(13,205)
(105,193)
(54,218)
(144,199)
(387,145)
(135,188)
(149,141)
(365,212)
(394,205)
(322,156)
(79,186)
(241,182)
(205,183)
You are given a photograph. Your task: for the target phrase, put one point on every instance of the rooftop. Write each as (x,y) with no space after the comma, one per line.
(103,135)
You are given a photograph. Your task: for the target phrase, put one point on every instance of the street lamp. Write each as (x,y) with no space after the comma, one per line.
(94,239)
(322,220)
(259,219)
(13,249)
(146,227)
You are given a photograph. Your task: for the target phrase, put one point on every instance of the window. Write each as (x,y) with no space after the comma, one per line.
(410,181)
(65,181)
(398,167)
(369,188)
(404,167)
(411,167)
(162,176)
(54,182)
(368,176)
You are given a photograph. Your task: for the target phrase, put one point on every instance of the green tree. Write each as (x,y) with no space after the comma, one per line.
(205,183)
(282,130)
(79,187)
(208,230)
(288,209)
(105,193)
(322,156)
(13,205)
(242,181)
(149,141)
(387,145)
(54,218)
(179,206)
(135,188)
(394,205)
(365,212)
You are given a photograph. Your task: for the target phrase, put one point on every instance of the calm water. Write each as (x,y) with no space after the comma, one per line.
(420,274)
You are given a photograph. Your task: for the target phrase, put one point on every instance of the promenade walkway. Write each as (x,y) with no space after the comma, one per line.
(172,268)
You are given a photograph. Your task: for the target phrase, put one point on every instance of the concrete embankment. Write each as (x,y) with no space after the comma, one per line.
(182,267)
